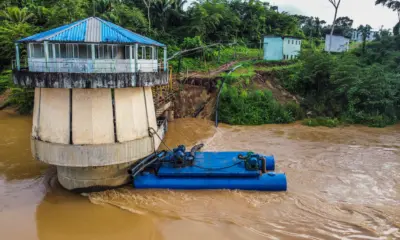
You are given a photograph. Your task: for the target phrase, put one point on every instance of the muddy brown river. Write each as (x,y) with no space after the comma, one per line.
(343,183)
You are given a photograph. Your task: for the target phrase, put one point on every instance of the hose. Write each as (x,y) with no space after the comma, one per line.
(219,94)
(263,165)
(140,166)
(196,148)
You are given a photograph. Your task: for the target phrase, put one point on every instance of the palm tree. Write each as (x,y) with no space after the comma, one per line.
(392,4)
(16,15)
(161,12)
(395,6)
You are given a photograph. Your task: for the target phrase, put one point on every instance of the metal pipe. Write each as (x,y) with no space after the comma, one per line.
(265,182)
(145,162)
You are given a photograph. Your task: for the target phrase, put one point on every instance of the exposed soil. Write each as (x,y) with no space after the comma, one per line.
(268,80)
(3,99)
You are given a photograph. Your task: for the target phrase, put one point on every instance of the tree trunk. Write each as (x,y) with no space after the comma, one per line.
(333,28)
(148,17)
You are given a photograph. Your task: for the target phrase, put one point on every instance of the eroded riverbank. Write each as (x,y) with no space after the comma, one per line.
(344,183)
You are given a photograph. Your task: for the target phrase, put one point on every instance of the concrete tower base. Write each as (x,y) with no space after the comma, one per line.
(86,177)
(93,135)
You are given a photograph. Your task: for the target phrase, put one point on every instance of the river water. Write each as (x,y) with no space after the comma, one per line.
(343,183)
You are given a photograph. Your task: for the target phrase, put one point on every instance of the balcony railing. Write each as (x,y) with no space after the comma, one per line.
(91,66)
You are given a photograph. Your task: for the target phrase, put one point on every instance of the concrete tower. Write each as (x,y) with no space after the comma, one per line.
(93,99)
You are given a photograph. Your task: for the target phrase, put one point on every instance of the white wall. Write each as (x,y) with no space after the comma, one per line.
(357,36)
(291,48)
(339,43)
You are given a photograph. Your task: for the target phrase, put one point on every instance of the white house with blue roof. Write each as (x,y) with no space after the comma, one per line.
(92,45)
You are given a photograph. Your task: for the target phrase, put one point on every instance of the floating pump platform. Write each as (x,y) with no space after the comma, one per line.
(178,169)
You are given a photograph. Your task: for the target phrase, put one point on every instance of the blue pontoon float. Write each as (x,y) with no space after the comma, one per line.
(178,169)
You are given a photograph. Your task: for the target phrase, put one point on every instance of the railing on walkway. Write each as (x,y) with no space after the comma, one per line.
(90,66)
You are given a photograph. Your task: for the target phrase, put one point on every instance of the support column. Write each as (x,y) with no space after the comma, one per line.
(165,59)
(17,57)
(93,57)
(46,54)
(54,50)
(130,58)
(136,57)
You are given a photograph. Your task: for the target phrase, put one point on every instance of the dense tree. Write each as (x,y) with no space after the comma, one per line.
(365,32)
(343,26)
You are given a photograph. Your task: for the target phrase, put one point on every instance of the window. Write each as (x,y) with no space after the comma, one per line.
(72,50)
(141,52)
(62,53)
(37,50)
(149,53)
(99,51)
(119,52)
(84,51)
(50,46)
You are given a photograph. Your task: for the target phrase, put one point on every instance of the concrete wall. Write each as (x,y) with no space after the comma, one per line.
(92,116)
(291,48)
(89,80)
(273,48)
(339,43)
(81,128)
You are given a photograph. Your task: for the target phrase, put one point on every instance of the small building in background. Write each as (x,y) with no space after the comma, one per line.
(278,48)
(339,43)
(357,36)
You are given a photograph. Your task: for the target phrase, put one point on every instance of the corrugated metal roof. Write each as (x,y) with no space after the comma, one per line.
(93,30)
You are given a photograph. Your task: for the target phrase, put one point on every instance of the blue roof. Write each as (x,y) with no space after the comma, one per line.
(93,30)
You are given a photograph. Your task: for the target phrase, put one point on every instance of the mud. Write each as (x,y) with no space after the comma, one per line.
(344,183)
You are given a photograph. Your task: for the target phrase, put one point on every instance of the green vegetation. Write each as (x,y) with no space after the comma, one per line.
(361,86)
(242,103)
(321,121)
(5,81)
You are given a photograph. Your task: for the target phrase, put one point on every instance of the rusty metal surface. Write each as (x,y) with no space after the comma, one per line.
(89,80)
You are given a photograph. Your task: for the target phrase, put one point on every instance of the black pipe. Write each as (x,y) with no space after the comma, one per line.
(219,93)
(196,148)
(145,162)
(263,165)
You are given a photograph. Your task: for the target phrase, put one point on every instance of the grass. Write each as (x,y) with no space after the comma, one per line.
(322,121)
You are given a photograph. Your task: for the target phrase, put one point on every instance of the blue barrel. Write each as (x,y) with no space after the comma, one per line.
(266,182)
(270,163)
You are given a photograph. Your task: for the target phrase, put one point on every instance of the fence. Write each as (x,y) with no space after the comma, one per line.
(91,66)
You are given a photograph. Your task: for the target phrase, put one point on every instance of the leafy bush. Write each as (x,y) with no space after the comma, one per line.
(242,106)
(22,98)
(347,86)
(321,121)
(5,81)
